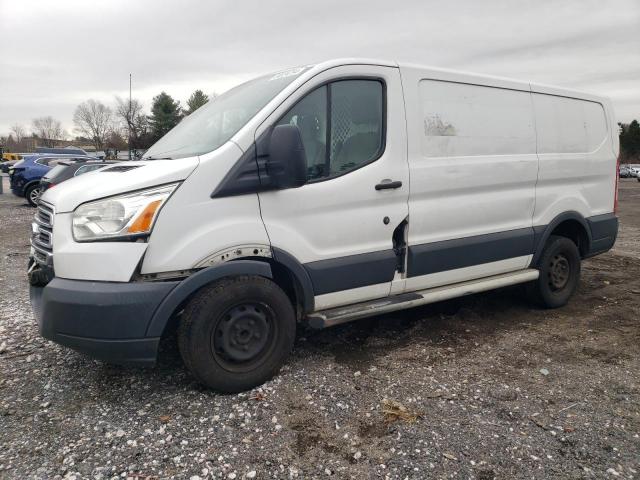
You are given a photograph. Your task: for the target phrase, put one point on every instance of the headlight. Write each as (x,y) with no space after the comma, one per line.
(127,215)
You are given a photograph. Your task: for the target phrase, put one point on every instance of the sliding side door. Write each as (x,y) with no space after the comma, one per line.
(473,168)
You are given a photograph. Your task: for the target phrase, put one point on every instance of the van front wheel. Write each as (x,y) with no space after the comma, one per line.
(559,268)
(236,333)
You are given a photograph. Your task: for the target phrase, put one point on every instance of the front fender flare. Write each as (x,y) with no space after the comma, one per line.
(307,297)
(195,282)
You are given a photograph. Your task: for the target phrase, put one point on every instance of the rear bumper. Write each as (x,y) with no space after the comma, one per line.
(105,320)
(17,185)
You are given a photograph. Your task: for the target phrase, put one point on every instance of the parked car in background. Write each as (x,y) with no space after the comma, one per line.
(635,170)
(25,175)
(62,151)
(625,172)
(66,170)
(5,166)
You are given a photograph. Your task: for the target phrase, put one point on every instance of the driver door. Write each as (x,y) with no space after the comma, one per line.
(340,224)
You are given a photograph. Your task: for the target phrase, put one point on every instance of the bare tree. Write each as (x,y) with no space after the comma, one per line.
(94,120)
(116,141)
(19,132)
(134,122)
(48,129)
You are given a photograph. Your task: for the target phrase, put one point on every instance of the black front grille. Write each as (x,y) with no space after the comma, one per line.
(44,216)
(42,235)
(40,257)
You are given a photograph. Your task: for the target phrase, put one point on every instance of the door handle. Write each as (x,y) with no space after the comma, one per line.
(386,184)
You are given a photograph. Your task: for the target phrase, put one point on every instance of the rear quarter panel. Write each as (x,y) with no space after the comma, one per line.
(577,154)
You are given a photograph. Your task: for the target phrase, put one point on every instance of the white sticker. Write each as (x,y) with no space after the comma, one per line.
(289,73)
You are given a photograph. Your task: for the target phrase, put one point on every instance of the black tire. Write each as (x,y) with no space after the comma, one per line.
(31,194)
(559,267)
(236,333)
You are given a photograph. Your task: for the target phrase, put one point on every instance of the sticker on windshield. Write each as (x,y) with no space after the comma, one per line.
(292,72)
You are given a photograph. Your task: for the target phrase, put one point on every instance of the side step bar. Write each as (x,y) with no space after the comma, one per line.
(338,315)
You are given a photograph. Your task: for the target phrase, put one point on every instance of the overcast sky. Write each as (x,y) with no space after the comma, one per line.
(55,54)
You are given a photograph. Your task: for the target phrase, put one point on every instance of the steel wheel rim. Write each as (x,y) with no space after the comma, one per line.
(243,335)
(559,272)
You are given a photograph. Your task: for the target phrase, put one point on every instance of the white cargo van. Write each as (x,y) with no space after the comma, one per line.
(319,195)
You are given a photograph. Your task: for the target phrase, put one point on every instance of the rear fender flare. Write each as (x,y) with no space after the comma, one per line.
(542,233)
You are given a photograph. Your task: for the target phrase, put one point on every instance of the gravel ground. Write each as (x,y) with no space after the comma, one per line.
(491,387)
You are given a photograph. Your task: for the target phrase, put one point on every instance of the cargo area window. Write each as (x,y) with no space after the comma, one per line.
(342,126)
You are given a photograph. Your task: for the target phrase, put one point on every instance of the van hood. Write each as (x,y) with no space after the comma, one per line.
(116,179)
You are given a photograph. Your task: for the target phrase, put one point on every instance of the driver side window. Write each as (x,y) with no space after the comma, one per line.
(310,116)
(341,125)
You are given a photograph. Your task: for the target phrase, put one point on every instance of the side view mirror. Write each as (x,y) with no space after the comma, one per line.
(287,163)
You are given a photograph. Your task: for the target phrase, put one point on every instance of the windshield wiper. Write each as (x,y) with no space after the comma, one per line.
(157,158)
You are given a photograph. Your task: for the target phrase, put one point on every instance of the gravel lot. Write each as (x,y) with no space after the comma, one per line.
(500,390)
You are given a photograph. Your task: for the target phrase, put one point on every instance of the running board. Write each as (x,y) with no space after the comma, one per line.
(338,315)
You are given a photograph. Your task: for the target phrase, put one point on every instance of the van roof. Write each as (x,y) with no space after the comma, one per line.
(464,77)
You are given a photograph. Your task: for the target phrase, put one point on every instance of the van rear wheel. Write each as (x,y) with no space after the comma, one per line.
(559,268)
(236,333)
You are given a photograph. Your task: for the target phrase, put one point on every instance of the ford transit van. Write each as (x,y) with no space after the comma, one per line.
(319,195)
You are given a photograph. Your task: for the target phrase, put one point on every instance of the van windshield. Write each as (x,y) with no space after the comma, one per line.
(216,122)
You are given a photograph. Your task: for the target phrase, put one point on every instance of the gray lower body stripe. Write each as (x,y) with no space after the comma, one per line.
(353,271)
(356,271)
(469,251)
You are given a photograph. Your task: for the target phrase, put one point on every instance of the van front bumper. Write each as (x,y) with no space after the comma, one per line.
(106,320)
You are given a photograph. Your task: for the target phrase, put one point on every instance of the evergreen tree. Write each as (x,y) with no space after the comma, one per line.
(630,141)
(196,100)
(165,114)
